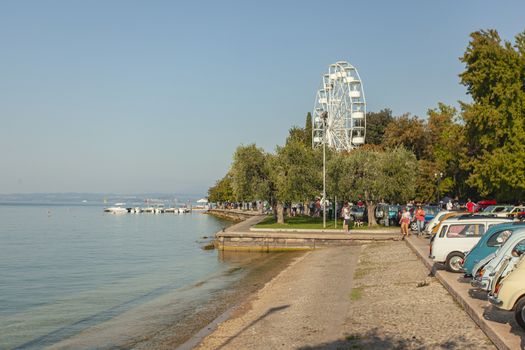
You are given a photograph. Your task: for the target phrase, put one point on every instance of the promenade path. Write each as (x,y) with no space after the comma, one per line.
(499,325)
(352,297)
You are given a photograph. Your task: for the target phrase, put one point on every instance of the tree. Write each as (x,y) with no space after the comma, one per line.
(250,174)
(295,173)
(222,190)
(444,151)
(298,134)
(373,175)
(408,132)
(495,121)
(308,129)
(376,123)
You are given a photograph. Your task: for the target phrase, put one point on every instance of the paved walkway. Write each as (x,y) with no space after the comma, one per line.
(306,304)
(499,325)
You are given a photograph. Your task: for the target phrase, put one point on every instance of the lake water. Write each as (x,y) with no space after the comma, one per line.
(75,277)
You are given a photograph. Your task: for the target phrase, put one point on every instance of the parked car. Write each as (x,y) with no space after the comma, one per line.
(508,293)
(392,214)
(491,241)
(498,210)
(457,236)
(502,261)
(515,211)
(435,221)
(447,216)
(483,204)
(358,213)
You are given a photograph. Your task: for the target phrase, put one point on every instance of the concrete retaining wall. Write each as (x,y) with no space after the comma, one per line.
(252,241)
(233,215)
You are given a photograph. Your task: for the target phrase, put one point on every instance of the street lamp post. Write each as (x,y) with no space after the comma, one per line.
(324,116)
(438,177)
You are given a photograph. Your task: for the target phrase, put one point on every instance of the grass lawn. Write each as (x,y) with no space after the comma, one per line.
(302,222)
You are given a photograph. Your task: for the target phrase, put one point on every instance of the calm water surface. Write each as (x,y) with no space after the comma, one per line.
(66,269)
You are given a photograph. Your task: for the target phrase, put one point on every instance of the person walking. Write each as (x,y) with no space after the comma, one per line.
(405,221)
(345,213)
(420,220)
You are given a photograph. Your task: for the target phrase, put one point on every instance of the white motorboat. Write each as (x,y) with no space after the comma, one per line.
(116,210)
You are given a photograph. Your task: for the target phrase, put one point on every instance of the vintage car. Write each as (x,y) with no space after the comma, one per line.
(508,293)
(392,210)
(358,213)
(457,236)
(498,210)
(447,216)
(491,241)
(515,211)
(481,205)
(499,263)
(435,221)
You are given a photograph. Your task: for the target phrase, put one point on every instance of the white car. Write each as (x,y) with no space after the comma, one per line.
(435,221)
(498,210)
(457,236)
(501,262)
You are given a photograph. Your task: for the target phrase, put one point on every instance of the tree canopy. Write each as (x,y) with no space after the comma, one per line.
(494,123)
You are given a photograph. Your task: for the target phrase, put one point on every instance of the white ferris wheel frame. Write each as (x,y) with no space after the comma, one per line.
(341,100)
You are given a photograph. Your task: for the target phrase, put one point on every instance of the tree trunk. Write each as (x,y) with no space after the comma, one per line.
(280,213)
(371,207)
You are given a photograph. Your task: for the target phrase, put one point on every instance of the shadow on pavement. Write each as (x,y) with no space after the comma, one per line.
(476,293)
(373,340)
(501,316)
(267,313)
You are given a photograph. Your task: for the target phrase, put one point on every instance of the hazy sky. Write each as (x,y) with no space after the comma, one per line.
(154,96)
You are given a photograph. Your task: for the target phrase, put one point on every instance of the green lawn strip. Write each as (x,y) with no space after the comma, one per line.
(312,223)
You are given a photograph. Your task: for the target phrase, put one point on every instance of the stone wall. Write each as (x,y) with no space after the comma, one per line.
(233,215)
(268,242)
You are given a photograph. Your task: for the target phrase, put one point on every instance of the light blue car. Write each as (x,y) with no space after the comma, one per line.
(494,238)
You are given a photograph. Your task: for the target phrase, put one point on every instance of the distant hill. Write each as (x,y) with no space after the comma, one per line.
(101,199)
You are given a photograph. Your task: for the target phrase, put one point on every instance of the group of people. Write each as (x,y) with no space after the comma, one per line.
(405,219)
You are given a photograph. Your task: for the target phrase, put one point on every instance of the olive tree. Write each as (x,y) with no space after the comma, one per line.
(295,174)
(373,175)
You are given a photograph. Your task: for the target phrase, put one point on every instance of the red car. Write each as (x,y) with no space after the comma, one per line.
(483,204)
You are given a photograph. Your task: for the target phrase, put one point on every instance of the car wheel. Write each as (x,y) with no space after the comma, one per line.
(413,226)
(519,312)
(454,262)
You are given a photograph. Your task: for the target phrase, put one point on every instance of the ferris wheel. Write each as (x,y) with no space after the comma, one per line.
(340,109)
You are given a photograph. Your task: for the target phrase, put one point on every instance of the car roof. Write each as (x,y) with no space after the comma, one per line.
(479,218)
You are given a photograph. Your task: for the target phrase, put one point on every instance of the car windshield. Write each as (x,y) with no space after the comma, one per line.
(489,209)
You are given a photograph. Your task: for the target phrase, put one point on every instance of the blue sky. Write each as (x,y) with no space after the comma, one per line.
(154,96)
